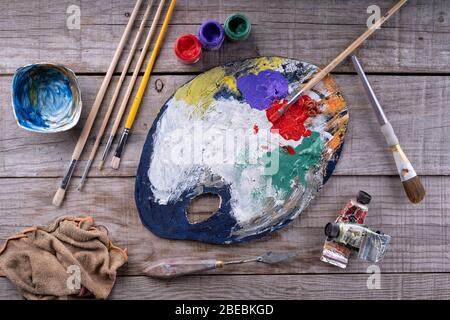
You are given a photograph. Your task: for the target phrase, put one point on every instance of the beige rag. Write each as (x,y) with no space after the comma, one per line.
(46,262)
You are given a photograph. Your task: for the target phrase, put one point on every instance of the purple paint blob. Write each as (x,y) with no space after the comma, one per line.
(262,89)
(211,34)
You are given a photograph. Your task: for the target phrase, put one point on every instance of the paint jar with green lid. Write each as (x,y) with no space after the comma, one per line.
(237,27)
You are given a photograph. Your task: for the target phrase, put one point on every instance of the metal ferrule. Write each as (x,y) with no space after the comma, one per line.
(85,173)
(294,98)
(68,174)
(107,147)
(121,145)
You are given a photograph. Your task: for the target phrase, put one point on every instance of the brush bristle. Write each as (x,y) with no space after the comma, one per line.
(115,163)
(414,189)
(59,197)
(100,166)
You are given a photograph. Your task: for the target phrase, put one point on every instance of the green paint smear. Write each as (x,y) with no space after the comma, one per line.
(33,96)
(307,154)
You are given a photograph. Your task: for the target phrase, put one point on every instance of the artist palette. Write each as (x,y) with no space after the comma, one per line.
(213,136)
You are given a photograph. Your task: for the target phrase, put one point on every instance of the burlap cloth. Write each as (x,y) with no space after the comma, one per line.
(46,262)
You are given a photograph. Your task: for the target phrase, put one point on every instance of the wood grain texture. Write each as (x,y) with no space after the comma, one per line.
(417,107)
(277,287)
(418,13)
(415,40)
(420,232)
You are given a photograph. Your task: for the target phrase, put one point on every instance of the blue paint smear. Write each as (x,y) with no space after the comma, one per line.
(170,220)
(42,97)
(225,94)
(262,89)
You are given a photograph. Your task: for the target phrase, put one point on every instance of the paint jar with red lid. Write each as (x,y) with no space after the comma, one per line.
(188,48)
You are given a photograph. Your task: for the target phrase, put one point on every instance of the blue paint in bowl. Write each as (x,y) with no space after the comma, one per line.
(46,98)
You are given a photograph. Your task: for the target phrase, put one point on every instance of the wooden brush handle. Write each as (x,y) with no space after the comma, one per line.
(148,40)
(143,85)
(172,268)
(121,79)
(344,54)
(101,93)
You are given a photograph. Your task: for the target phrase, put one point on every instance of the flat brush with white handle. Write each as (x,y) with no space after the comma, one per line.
(411,182)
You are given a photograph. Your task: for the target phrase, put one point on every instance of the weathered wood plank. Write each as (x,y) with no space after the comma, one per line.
(415,40)
(421,238)
(426,13)
(342,286)
(284,287)
(416,106)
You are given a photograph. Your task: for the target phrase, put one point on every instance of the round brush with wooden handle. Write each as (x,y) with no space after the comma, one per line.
(411,182)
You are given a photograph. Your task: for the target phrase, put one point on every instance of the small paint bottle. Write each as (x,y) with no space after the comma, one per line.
(237,27)
(188,49)
(211,35)
(355,210)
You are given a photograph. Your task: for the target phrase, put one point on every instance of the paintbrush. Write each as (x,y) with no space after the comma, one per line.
(411,182)
(344,54)
(123,105)
(143,85)
(61,192)
(115,94)
(177,267)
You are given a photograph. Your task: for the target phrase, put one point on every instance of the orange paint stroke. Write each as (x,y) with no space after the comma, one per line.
(334,104)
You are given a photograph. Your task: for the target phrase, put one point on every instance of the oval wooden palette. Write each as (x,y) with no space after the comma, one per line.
(213,136)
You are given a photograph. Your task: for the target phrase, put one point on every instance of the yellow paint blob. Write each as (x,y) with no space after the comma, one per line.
(231,83)
(199,93)
(265,63)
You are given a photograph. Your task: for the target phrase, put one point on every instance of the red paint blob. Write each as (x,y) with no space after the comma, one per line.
(255,129)
(188,48)
(291,124)
(289,150)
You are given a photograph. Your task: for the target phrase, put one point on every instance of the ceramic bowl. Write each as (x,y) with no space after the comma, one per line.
(46,98)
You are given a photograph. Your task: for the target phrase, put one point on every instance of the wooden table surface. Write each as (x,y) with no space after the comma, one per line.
(408,65)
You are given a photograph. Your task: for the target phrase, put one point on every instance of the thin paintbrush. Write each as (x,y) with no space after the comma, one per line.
(60,193)
(411,182)
(344,54)
(123,105)
(143,85)
(115,95)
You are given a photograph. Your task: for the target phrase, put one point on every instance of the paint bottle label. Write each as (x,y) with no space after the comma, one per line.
(351,235)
